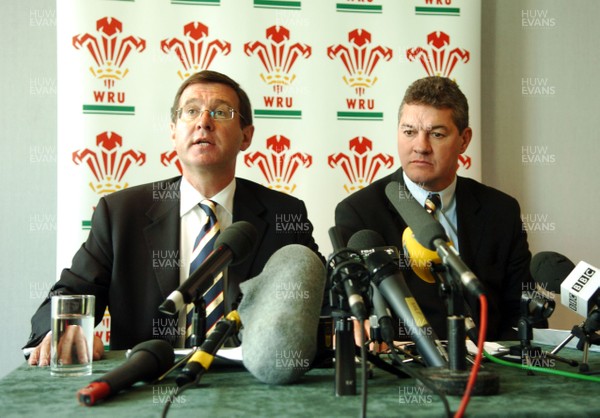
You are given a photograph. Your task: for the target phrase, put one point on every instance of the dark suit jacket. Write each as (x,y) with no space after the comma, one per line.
(130,259)
(491,240)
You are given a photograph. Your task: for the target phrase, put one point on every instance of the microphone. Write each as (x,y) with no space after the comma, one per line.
(147,361)
(580,291)
(389,280)
(383,315)
(549,269)
(421,261)
(578,285)
(432,235)
(280,310)
(203,358)
(348,275)
(231,247)
(420,258)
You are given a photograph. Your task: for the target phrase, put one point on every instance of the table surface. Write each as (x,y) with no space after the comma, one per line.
(234,392)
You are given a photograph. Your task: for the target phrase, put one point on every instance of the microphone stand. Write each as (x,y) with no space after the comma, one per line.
(198,322)
(453,380)
(345,367)
(534,309)
(457,335)
(345,265)
(587,334)
(198,333)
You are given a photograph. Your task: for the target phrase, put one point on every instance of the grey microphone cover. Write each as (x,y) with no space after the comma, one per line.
(280,313)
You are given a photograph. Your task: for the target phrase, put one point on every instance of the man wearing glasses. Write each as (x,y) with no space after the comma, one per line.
(211,122)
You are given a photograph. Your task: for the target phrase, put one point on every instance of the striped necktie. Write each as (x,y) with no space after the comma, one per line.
(213,298)
(433,203)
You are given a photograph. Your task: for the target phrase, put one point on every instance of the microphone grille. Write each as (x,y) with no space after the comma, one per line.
(161,350)
(240,238)
(550,269)
(364,239)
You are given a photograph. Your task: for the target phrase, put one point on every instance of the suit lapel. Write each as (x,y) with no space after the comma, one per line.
(163,244)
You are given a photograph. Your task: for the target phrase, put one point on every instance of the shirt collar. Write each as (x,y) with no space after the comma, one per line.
(421,194)
(190,197)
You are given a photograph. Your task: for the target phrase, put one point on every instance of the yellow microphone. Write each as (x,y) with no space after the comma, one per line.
(421,259)
(203,358)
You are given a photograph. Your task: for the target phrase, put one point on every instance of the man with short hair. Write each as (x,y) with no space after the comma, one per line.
(483,223)
(211,122)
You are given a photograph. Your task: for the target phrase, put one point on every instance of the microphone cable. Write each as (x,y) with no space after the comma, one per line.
(555,372)
(477,363)
(178,391)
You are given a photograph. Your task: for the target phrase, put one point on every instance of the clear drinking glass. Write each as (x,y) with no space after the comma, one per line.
(72,335)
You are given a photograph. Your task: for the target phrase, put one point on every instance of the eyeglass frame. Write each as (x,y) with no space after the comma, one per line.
(232,111)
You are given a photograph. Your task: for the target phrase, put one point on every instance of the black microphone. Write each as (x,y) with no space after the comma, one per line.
(388,278)
(231,247)
(147,361)
(431,234)
(578,285)
(203,358)
(384,317)
(348,275)
(549,269)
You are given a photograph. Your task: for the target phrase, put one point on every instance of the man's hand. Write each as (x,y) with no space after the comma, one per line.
(40,356)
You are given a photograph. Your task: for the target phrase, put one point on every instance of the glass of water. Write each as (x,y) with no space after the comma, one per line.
(72,335)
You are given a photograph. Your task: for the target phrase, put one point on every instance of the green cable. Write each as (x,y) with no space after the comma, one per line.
(541,369)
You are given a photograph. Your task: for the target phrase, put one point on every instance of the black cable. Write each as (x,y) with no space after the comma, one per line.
(178,391)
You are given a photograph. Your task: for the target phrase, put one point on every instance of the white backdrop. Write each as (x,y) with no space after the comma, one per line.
(325,79)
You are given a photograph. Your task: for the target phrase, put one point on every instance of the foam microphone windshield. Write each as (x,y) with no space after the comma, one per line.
(420,258)
(550,269)
(280,313)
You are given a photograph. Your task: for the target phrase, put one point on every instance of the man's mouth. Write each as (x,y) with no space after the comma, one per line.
(420,162)
(201,141)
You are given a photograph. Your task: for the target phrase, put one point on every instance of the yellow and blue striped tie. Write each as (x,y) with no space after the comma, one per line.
(213,298)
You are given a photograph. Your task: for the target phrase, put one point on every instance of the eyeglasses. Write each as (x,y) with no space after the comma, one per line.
(191,113)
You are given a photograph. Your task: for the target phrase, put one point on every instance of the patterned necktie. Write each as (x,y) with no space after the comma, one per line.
(432,203)
(213,298)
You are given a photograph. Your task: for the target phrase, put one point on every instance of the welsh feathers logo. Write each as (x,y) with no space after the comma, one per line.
(278,56)
(361,164)
(360,58)
(438,58)
(108,163)
(196,51)
(109,49)
(279,166)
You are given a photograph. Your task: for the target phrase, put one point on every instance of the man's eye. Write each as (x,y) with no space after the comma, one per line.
(437,135)
(191,111)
